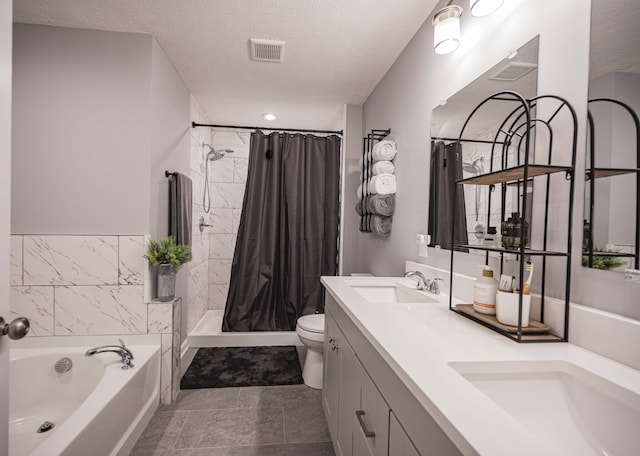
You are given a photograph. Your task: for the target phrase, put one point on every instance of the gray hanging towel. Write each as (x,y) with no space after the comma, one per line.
(180,209)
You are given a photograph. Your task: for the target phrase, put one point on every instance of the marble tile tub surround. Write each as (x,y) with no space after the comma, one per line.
(79,285)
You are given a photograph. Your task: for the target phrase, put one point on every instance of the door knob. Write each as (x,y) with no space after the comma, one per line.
(17,329)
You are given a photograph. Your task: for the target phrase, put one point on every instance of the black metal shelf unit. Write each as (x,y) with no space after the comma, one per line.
(518,129)
(592,173)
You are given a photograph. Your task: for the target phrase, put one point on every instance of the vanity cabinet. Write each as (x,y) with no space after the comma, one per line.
(369,411)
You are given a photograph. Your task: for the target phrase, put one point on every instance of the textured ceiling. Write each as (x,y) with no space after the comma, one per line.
(615,37)
(336,50)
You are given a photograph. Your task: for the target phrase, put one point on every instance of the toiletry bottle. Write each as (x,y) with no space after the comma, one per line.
(526,286)
(484,292)
(490,237)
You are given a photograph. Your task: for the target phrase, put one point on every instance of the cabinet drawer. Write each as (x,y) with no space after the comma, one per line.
(371,435)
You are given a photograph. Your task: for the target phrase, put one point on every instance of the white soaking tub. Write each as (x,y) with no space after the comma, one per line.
(95,407)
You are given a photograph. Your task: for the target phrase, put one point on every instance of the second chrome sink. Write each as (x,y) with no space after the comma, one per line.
(392,293)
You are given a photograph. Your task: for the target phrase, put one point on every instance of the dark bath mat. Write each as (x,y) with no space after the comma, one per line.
(221,367)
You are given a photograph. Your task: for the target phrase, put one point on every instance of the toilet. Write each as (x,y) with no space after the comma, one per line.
(310,330)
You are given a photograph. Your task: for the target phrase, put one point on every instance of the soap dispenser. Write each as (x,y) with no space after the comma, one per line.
(484,292)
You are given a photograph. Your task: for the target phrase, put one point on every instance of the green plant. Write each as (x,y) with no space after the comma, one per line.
(167,252)
(603,262)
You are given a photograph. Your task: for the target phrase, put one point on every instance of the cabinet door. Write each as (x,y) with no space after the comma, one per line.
(399,443)
(349,398)
(371,436)
(331,375)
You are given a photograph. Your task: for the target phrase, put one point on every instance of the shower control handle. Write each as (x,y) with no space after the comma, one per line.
(17,329)
(202,224)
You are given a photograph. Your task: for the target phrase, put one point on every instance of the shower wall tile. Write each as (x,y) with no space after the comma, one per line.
(198,279)
(237,213)
(218,296)
(222,246)
(15,260)
(222,170)
(227,195)
(36,304)
(238,141)
(198,305)
(241,165)
(94,310)
(70,260)
(131,261)
(222,220)
(160,317)
(199,249)
(219,272)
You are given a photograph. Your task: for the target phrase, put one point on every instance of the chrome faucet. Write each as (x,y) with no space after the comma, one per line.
(121,350)
(430,285)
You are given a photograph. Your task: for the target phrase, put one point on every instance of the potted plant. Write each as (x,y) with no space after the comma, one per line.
(168,256)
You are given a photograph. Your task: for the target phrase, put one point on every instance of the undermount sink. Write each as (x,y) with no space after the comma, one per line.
(392,293)
(574,410)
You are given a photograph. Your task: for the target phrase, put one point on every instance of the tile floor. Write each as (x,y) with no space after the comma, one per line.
(249,421)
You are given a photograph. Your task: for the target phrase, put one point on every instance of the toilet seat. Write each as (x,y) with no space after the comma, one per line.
(313,323)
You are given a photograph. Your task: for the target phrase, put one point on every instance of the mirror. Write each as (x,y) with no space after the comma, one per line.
(482,207)
(612,180)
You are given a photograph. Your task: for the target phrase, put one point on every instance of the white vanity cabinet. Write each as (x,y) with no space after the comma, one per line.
(369,411)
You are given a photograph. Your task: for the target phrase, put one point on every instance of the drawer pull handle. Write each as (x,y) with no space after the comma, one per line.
(363,425)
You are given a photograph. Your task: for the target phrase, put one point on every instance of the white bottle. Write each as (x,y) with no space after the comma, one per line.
(484,292)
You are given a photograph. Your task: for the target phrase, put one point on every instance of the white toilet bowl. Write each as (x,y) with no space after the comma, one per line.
(310,329)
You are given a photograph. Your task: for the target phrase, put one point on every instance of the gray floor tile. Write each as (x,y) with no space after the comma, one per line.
(203,399)
(232,427)
(278,396)
(186,452)
(300,449)
(161,432)
(305,424)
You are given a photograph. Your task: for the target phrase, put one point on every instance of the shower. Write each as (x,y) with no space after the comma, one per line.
(212,155)
(476,168)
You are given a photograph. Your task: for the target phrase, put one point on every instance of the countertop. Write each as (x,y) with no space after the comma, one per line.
(420,341)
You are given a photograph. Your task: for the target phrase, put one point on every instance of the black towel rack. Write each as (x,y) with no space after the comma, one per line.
(168,174)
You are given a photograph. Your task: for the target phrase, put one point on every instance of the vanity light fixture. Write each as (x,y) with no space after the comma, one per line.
(446,29)
(480,8)
(268,116)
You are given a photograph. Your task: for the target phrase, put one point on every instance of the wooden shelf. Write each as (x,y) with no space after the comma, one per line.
(460,247)
(609,172)
(513,174)
(535,332)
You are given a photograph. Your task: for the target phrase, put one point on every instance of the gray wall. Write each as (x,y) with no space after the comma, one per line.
(98,118)
(416,83)
(81,131)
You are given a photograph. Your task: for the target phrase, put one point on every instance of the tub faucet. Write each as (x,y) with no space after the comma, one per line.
(121,350)
(430,285)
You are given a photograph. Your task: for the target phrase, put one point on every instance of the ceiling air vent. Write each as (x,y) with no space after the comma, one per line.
(513,71)
(267,50)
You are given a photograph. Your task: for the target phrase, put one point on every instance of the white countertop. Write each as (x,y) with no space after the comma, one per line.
(420,342)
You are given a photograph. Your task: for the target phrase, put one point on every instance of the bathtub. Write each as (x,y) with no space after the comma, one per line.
(96,407)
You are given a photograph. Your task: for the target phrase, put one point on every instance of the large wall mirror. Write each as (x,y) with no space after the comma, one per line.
(612,181)
(450,160)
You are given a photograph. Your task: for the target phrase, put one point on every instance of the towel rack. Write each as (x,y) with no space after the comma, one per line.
(168,174)
(366,172)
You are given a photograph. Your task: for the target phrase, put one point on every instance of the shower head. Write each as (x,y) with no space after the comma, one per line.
(216,154)
(475,167)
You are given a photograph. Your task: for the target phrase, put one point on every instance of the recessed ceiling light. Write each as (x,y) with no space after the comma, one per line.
(268,116)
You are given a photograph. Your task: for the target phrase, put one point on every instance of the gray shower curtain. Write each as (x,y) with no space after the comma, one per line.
(446,168)
(288,234)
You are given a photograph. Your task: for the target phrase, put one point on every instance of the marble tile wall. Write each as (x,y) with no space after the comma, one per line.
(93,285)
(198,289)
(227,179)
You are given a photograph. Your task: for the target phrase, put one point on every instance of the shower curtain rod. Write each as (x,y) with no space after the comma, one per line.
(333,132)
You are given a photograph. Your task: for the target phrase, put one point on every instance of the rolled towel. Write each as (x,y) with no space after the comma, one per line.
(382,167)
(380,225)
(383,184)
(381,204)
(359,191)
(384,150)
(359,208)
